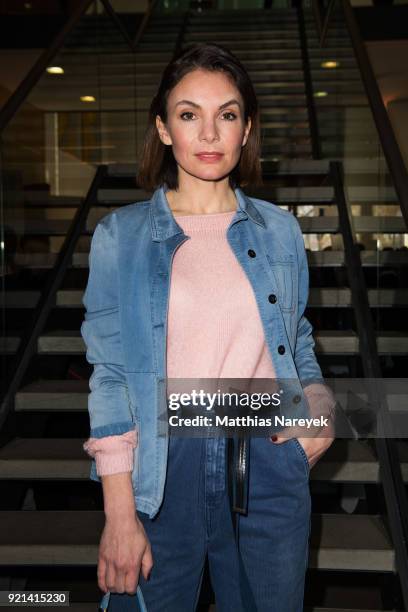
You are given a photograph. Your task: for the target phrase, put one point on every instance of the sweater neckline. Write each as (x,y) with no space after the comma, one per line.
(217,214)
(204,223)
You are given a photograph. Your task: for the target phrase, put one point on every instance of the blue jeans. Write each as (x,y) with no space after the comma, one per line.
(195,520)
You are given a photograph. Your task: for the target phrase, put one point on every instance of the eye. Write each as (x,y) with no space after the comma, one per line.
(232,114)
(186,113)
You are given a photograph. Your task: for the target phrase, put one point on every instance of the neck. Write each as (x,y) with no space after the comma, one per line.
(187,203)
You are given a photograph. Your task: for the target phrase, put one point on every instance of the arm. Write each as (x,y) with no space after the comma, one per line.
(109,405)
(124,549)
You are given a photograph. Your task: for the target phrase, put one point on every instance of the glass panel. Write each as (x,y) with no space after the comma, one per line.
(348,133)
(80,114)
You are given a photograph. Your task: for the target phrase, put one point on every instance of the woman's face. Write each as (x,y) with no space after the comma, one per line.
(205,113)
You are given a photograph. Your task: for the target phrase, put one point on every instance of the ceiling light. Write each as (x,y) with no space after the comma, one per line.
(87,99)
(330,64)
(55,70)
(320,94)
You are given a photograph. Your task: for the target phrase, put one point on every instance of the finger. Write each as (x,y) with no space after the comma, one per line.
(284,435)
(147,562)
(111,577)
(297,431)
(101,573)
(131,581)
(120,580)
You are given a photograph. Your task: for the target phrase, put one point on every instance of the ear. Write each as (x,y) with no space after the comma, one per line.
(246,132)
(163,133)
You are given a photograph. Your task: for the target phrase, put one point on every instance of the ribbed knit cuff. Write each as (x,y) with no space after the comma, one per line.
(113,454)
(114,463)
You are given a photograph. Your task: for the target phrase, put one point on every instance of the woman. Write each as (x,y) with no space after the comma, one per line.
(200,281)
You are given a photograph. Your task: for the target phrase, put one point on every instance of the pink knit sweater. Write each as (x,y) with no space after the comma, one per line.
(204,340)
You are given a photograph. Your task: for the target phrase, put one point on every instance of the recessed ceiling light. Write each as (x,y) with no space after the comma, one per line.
(320,94)
(330,64)
(87,99)
(55,70)
(27,5)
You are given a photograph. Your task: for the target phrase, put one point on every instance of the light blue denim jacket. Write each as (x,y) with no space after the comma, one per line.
(125,323)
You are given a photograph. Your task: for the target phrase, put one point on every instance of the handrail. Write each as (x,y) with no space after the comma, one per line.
(322,21)
(15,101)
(46,302)
(395,162)
(387,452)
(114,16)
(311,108)
(146,18)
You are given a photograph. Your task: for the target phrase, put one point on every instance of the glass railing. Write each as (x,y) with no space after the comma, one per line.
(349,133)
(85,110)
(91,107)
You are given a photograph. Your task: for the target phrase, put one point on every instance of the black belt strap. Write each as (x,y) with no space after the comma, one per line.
(238,477)
(238,472)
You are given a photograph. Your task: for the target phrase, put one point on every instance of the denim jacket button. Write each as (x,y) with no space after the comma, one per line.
(281,349)
(272,298)
(296,399)
(251,253)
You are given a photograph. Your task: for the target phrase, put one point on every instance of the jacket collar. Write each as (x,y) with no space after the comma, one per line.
(163,222)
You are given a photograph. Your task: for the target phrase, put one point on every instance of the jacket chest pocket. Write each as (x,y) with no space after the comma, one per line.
(285,277)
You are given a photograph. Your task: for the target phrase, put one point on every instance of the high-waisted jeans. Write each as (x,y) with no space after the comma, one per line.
(195,520)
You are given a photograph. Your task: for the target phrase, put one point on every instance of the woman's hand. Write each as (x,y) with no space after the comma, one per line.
(124,551)
(314,445)
(321,404)
(315,448)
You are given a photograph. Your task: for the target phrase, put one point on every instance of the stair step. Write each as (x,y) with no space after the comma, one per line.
(280,195)
(318,609)
(340,298)
(265,33)
(328,342)
(315,258)
(64,458)
(289,166)
(369,224)
(37,538)
(53,396)
(309,225)
(318,297)
(44,459)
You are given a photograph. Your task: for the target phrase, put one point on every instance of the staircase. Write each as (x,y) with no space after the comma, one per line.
(51,513)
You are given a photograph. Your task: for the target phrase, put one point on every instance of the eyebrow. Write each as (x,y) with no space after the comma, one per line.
(229,103)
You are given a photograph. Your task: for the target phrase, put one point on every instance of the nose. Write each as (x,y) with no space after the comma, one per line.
(209,130)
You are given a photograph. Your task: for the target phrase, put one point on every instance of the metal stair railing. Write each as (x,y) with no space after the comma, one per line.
(46,302)
(311,107)
(386,448)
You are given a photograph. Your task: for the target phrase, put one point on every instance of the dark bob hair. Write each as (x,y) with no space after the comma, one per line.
(157,164)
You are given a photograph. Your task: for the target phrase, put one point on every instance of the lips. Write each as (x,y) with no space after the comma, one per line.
(209,156)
